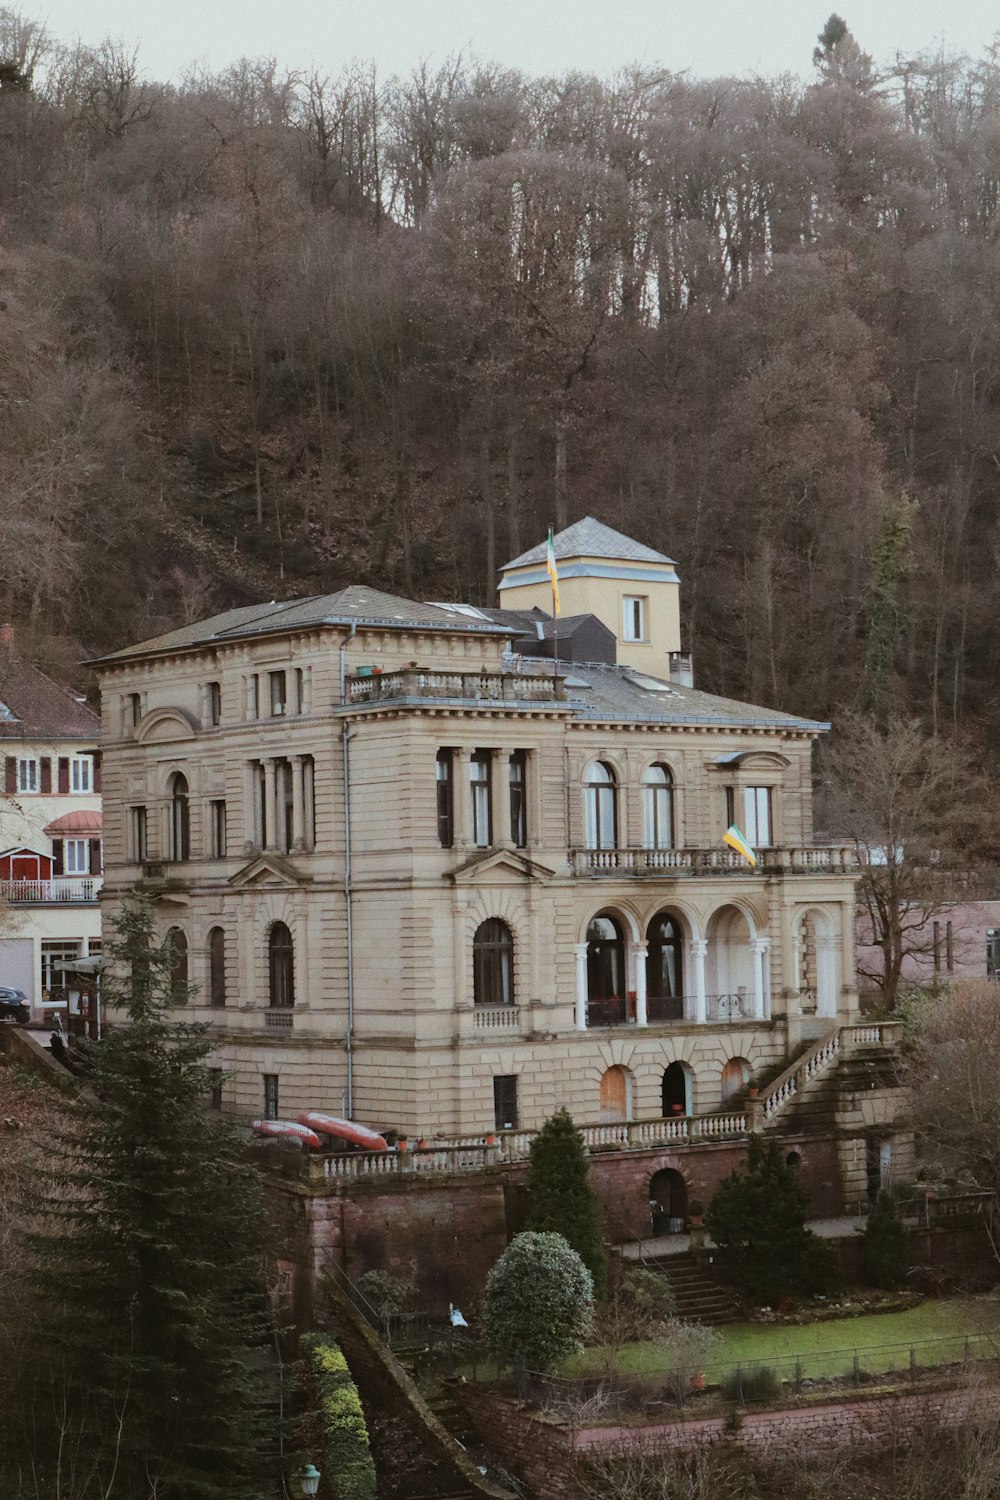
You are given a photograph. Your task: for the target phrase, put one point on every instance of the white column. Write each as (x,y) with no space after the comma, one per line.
(309,803)
(758,948)
(282,771)
(640,951)
(580,953)
(270,832)
(298,803)
(500,797)
(699,949)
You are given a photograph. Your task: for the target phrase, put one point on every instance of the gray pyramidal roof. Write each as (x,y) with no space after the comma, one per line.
(590,538)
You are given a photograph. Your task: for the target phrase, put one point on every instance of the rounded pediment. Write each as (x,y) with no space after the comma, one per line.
(749,760)
(166,724)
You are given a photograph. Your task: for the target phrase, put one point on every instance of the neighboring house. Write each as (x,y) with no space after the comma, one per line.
(959,939)
(50,827)
(424,874)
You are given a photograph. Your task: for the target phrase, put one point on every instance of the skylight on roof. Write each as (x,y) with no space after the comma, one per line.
(651,684)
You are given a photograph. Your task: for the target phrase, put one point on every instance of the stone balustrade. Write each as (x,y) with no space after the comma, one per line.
(799,860)
(477,687)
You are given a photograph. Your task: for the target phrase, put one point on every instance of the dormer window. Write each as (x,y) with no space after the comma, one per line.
(634,618)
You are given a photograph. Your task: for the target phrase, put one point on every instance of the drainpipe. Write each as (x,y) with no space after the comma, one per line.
(345,745)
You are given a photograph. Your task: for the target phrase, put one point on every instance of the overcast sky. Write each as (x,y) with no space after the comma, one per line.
(708,37)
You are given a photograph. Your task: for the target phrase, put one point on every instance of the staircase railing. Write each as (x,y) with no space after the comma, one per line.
(795,1078)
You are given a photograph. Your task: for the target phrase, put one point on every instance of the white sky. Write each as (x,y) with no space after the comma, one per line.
(708,37)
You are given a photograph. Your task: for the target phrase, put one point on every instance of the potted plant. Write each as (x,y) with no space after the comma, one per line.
(696,1210)
(403,1144)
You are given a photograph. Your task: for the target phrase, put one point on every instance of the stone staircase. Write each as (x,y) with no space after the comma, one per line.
(699,1298)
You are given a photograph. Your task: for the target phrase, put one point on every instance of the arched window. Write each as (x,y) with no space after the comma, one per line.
(735,1077)
(217,966)
(675,1089)
(177,952)
(658,808)
(665,969)
(615,1096)
(600,806)
(605,972)
(493,963)
(180,818)
(281,967)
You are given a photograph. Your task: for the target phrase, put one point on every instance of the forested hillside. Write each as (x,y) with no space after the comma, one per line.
(266,332)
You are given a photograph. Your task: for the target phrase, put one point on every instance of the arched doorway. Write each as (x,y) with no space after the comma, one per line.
(668,1202)
(729,975)
(616,1096)
(735,1076)
(675,1091)
(605,972)
(665,969)
(816,956)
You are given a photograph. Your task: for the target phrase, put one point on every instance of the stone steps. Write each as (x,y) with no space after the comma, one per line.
(698,1297)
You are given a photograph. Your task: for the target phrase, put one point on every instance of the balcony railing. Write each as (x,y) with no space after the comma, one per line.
(719,1009)
(44,892)
(477,687)
(496,1018)
(806,859)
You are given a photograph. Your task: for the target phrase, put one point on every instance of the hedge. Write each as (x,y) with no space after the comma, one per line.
(346,1451)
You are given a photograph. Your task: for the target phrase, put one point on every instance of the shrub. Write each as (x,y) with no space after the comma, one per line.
(345,1432)
(758,1383)
(757,1218)
(688,1348)
(538,1304)
(885,1257)
(560,1197)
(385,1293)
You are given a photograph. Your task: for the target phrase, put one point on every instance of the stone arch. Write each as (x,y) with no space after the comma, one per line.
(668,1200)
(616,1095)
(730,967)
(815,947)
(736,1074)
(677,1089)
(623,912)
(166,724)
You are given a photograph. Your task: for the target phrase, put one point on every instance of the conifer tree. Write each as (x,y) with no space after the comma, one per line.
(560,1197)
(885,1257)
(152,1306)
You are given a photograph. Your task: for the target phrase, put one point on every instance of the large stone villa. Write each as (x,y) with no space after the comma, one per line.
(445,868)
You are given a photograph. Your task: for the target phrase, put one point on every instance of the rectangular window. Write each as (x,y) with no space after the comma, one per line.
(482,809)
(215,1088)
(300,691)
(505,1102)
(277,688)
(135,708)
(757,816)
(445,799)
(76,856)
(215,703)
(54,955)
(140,847)
(633,618)
(993,953)
(81,774)
(218,820)
(270,1096)
(28,774)
(518,799)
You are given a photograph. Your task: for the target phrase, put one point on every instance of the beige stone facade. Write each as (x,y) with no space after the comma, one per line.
(312,767)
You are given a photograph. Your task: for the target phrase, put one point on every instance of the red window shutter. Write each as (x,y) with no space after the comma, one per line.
(63,773)
(10,774)
(97,773)
(95,856)
(46,784)
(57,856)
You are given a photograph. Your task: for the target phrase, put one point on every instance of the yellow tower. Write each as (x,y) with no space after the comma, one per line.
(631,589)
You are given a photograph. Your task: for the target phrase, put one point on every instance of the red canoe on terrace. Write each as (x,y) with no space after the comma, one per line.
(343,1130)
(288,1130)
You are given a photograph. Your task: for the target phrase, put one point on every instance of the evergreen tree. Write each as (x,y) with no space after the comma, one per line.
(538,1302)
(885,1257)
(560,1197)
(758,1219)
(152,1307)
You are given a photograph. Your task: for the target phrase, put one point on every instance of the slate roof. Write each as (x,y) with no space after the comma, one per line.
(617,695)
(32,705)
(590,538)
(356,604)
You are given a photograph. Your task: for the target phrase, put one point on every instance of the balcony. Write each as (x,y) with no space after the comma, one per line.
(72,890)
(720,1010)
(813,859)
(474,687)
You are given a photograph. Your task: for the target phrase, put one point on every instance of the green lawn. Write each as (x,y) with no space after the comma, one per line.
(882,1342)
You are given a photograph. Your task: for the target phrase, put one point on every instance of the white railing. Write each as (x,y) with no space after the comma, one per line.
(496,1018)
(82,888)
(350,1166)
(502,687)
(715,861)
(795,1078)
(279,1020)
(872,1034)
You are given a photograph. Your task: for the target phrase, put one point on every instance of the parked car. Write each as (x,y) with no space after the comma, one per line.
(14,1005)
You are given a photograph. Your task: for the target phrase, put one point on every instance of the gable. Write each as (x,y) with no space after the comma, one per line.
(267,871)
(166,724)
(499,867)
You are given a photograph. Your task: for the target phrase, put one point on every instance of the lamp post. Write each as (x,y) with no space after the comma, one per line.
(306,1481)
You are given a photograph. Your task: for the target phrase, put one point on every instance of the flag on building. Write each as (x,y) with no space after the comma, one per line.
(553,572)
(735,840)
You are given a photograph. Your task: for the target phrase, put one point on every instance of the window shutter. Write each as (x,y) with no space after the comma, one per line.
(46,783)
(97,773)
(10,774)
(57,856)
(95,856)
(63,773)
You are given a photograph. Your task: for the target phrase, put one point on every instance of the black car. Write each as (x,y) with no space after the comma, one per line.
(14,1005)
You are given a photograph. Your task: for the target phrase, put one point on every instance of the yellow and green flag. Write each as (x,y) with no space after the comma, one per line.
(735,840)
